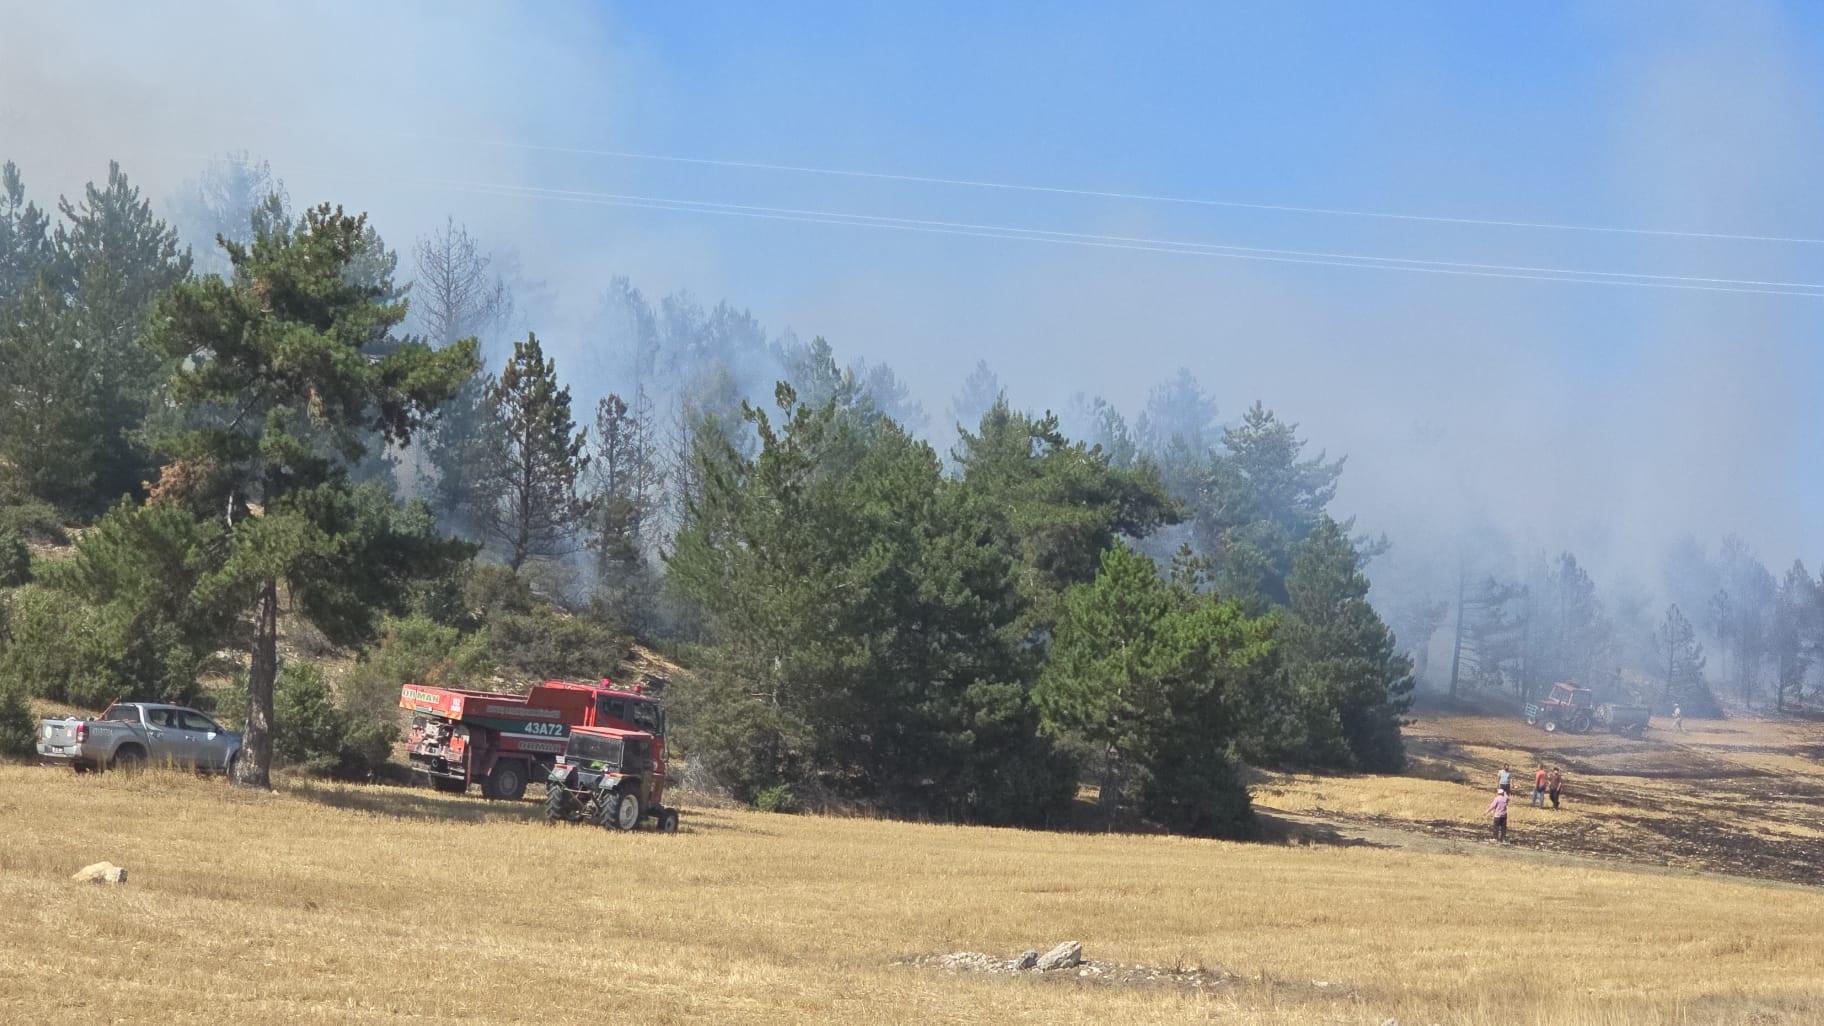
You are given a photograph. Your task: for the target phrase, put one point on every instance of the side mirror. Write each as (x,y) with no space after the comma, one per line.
(212,735)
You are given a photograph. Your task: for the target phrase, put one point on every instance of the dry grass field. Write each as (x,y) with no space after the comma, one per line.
(331,904)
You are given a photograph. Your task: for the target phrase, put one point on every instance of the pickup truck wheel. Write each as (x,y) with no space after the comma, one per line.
(129,759)
(233,767)
(507,783)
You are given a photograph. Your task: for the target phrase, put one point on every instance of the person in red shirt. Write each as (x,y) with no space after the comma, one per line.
(1539,787)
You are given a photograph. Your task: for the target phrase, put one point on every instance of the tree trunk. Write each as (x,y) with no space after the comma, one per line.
(1456,648)
(1108,795)
(255,766)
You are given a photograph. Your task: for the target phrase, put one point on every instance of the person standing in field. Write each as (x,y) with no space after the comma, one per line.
(1678,719)
(1499,808)
(1539,787)
(1553,784)
(1504,778)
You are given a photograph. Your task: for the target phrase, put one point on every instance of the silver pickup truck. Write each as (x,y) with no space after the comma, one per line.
(131,734)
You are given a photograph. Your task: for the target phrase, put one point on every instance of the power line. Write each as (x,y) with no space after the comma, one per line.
(1167,246)
(1164,246)
(1152,197)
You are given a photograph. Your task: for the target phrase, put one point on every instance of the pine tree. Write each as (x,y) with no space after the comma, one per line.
(533,478)
(628,480)
(1683,662)
(236,198)
(1138,670)
(25,236)
(1345,671)
(456,294)
(1796,634)
(981,390)
(281,371)
(72,362)
(48,395)
(1260,497)
(1065,503)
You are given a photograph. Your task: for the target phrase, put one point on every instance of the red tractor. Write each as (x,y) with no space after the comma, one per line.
(503,742)
(1568,707)
(610,777)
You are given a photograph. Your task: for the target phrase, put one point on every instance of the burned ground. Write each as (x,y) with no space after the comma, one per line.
(1744,798)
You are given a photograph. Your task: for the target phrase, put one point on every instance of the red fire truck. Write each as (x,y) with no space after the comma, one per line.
(501,741)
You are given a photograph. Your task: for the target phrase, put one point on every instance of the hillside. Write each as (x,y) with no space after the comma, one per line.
(346,904)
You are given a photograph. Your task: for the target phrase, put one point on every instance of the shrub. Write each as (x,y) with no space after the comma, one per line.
(312,733)
(33,521)
(18,728)
(778,798)
(412,649)
(15,559)
(53,650)
(531,635)
(750,746)
(64,649)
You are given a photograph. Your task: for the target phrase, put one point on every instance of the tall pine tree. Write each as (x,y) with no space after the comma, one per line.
(282,370)
(531,480)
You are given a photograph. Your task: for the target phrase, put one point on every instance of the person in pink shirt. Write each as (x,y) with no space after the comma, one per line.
(1499,808)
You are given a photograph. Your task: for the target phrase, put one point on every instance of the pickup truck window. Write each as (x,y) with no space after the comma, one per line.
(162,717)
(196,721)
(128,713)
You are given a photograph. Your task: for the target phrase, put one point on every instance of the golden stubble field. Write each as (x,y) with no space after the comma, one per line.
(328,904)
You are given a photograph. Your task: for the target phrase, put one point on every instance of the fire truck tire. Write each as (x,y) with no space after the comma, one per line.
(625,813)
(507,783)
(448,786)
(668,821)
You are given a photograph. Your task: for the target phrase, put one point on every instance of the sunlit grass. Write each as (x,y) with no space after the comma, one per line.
(326,903)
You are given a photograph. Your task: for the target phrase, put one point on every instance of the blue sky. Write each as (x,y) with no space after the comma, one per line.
(1600,417)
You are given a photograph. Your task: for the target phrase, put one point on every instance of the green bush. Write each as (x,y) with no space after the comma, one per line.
(33,521)
(15,559)
(747,745)
(312,733)
(778,798)
(66,650)
(18,728)
(55,650)
(530,635)
(413,649)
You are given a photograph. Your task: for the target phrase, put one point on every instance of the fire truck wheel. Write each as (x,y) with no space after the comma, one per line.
(668,821)
(507,783)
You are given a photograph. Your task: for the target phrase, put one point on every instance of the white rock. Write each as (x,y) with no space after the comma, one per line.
(101,872)
(1063,956)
